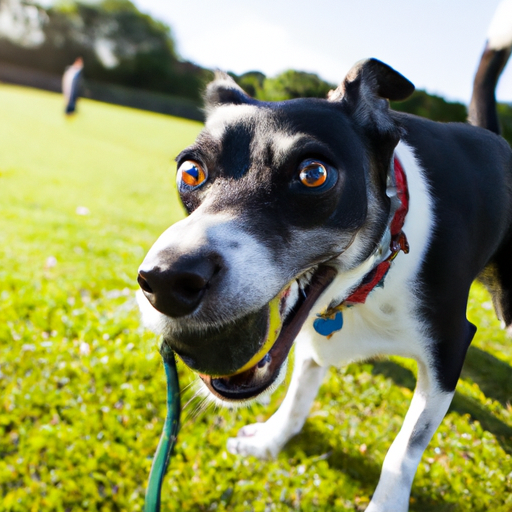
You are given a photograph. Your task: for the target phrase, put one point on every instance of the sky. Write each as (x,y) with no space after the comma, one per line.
(434,43)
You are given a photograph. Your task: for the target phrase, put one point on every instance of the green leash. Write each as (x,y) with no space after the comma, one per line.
(169,433)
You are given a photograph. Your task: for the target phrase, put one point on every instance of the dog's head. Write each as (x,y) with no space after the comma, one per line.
(281,197)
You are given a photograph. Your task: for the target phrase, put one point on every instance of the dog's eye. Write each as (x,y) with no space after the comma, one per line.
(191,174)
(312,173)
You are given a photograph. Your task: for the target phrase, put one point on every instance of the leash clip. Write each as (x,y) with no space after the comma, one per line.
(398,243)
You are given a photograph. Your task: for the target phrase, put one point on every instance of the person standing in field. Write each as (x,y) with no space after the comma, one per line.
(71,81)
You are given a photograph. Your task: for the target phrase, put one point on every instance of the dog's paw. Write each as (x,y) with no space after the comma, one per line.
(256,439)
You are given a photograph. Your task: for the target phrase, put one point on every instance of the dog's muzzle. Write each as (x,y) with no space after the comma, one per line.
(237,359)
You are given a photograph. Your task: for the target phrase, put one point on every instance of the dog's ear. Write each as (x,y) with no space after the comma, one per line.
(371,76)
(366,90)
(224,91)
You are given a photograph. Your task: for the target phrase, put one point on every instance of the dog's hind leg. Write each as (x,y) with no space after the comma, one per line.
(427,410)
(265,440)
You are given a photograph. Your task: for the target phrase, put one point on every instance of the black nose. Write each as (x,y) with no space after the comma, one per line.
(178,289)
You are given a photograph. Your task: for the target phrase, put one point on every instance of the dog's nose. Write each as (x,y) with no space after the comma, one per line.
(178,290)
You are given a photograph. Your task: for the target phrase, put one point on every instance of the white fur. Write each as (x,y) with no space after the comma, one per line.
(191,233)
(500,30)
(283,142)
(427,410)
(385,324)
(151,318)
(226,115)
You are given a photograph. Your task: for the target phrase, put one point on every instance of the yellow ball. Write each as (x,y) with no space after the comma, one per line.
(273,332)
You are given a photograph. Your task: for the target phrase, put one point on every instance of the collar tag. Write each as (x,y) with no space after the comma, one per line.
(327,326)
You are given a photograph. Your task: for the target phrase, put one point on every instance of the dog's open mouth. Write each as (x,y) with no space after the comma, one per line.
(264,367)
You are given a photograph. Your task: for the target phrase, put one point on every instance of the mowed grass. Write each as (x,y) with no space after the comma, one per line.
(82,391)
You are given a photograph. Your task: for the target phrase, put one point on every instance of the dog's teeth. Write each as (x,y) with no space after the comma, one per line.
(304,280)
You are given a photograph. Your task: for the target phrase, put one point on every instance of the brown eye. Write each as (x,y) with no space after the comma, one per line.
(313,174)
(191,174)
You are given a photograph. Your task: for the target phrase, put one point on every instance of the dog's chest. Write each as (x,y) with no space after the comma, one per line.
(387,324)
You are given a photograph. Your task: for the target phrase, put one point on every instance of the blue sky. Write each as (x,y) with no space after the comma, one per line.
(434,43)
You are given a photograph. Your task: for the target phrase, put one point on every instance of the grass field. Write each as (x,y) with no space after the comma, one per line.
(81,383)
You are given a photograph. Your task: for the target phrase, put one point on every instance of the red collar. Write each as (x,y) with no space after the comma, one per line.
(398,242)
(376,276)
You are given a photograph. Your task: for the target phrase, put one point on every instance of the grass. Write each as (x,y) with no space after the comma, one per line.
(81,383)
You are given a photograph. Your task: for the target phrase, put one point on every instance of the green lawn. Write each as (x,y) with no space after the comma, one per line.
(82,387)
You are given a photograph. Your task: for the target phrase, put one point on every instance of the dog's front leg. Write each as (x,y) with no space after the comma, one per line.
(427,410)
(265,440)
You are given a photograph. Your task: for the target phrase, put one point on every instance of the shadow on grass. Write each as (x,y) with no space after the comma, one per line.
(494,377)
(358,467)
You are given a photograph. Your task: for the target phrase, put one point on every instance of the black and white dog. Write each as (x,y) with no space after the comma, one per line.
(345,228)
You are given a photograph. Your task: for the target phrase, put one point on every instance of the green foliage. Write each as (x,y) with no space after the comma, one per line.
(293,84)
(285,86)
(82,388)
(505,116)
(251,82)
(438,109)
(432,107)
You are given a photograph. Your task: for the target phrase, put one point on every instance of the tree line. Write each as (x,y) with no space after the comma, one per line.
(123,46)
(119,45)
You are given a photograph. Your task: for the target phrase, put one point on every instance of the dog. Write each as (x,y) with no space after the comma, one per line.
(344,228)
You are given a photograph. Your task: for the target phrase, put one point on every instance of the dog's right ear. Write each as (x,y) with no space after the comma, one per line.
(225,91)
(364,95)
(377,78)
(366,90)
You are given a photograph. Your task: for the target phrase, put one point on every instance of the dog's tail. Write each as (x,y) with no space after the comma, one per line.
(482,109)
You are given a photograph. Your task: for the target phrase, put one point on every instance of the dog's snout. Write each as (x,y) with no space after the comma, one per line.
(177,290)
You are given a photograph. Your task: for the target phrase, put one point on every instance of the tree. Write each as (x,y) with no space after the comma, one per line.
(21,23)
(251,82)
(294,84)
(119,44)
(432,107)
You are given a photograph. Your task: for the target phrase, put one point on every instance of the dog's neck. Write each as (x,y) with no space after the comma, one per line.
(392,242)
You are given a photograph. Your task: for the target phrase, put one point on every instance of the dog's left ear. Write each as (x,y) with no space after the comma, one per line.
(366,90)
(224,91)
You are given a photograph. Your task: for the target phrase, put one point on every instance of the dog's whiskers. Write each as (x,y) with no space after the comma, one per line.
(194,396)
(192,415)
(186,388)
(202,407)
(199,402)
